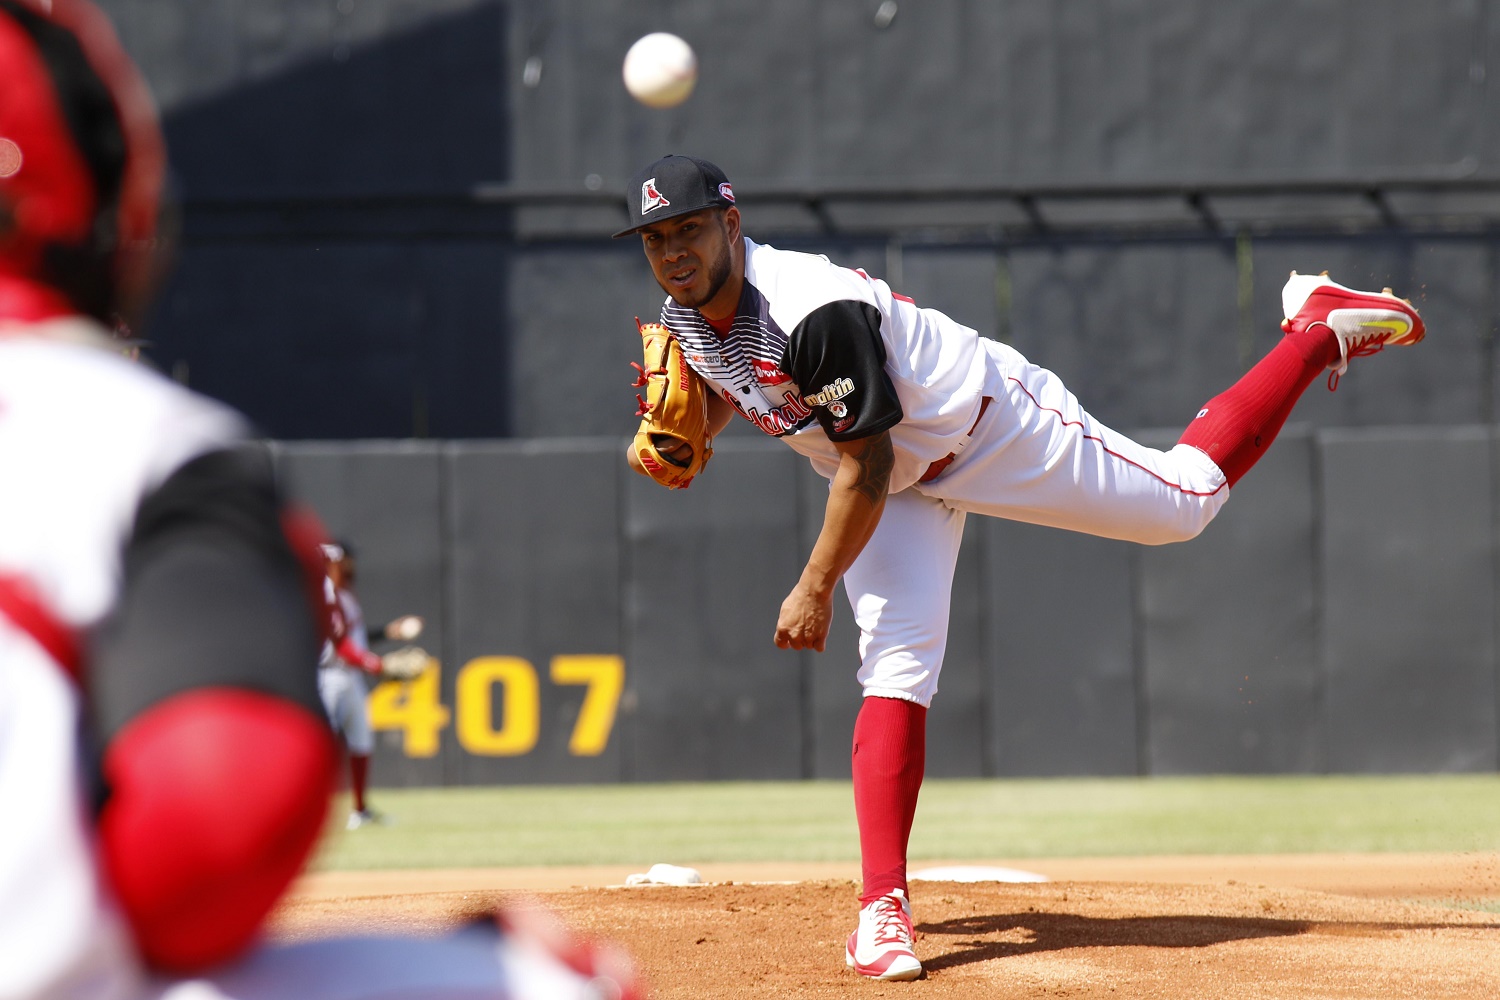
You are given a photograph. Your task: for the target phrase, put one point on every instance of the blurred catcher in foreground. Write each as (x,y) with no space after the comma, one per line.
(165,768)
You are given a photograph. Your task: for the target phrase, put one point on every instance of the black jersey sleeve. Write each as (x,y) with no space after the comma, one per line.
(212,596)
(837,358)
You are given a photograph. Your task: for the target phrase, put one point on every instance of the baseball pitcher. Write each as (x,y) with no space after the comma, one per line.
(917,421)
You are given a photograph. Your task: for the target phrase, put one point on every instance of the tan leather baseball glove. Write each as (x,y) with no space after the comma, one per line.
(403,664)
(673,442)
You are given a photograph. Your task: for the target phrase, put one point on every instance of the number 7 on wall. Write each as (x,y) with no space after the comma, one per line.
(605,677)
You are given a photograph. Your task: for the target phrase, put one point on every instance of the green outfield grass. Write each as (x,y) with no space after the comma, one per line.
(814,821)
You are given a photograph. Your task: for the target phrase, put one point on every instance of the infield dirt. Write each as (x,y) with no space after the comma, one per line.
(1338,926)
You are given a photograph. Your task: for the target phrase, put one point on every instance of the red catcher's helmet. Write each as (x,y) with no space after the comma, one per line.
(82,165)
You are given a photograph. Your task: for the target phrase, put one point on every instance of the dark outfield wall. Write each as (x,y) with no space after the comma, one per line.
(335,283)
(589,626)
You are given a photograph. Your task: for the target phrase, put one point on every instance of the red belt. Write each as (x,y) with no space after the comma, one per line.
(20,603)
(936,468)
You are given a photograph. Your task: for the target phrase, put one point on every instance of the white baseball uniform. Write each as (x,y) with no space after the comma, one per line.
(819,353)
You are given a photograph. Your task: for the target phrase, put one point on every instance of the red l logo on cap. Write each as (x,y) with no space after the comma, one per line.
(651,199)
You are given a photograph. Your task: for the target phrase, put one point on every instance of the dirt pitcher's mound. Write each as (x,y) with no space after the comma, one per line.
(1076,939)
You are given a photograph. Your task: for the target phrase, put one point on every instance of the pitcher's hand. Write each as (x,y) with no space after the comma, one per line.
(804,620)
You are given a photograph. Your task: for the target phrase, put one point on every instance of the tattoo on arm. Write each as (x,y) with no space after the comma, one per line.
(874,457)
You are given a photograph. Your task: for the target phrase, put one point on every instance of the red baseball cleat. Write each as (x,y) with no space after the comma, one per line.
(1364,323)
(882,946)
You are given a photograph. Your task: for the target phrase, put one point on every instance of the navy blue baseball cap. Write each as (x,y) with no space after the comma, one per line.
(672,186)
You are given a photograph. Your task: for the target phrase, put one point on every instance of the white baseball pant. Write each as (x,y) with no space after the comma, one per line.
(1037,456)
(345,699)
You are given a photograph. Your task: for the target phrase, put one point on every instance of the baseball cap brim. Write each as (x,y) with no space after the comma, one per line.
(662,218)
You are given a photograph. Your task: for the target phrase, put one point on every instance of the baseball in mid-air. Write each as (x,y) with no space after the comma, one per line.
(660,70)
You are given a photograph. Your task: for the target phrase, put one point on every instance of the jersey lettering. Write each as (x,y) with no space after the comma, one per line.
(829,393)
(782,420)
(766,373)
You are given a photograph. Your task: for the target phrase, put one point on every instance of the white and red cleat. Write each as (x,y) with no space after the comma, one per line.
(1363,322)
(882,946)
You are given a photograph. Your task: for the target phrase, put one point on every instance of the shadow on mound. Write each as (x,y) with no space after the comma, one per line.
(1004,935)
(1025,933)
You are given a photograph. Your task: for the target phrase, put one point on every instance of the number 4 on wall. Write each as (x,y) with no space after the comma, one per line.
(415,708)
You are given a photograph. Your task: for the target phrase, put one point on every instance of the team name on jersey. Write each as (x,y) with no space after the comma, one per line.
(782,419)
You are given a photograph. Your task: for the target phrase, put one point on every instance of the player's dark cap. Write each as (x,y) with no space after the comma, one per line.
(672,186)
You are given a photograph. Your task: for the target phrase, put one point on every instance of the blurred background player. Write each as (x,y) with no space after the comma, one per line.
(348,667)
(917,421)
(162,778)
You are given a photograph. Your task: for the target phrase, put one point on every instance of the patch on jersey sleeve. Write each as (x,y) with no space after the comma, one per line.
(842,420)
(838,349)
(831,398)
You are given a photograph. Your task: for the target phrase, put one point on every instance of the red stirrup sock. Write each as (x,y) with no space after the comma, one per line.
(359,771)
(1237,426)
(890,751)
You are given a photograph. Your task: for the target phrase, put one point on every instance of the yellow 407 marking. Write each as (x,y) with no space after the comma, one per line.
(415,708)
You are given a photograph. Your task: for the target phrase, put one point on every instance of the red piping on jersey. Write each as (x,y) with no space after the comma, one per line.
(1107,451)
(895,295)
(940,466)
(20,603)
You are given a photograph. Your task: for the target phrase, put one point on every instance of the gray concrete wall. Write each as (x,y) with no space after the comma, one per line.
(335,281)
(1142,333)
(1338,616)
(1026,90)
